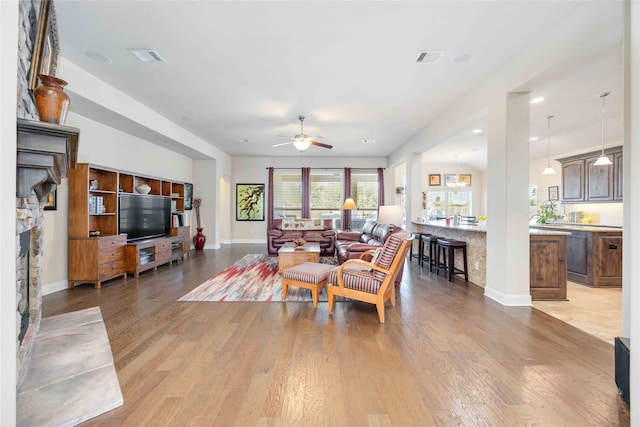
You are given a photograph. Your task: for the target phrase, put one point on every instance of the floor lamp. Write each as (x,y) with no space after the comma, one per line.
(349,205)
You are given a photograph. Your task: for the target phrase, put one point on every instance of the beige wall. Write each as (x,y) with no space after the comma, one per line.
(253,170)
(101,145)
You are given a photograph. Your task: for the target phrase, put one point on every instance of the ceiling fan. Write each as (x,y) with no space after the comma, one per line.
(302,141)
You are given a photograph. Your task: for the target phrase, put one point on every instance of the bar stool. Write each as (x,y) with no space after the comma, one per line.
(433,250)
(448,247)
(420,256)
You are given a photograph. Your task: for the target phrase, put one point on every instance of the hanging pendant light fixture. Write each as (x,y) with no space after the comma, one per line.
(548,170)
(603,160)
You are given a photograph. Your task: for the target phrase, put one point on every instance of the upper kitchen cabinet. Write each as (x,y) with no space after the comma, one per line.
(582,181)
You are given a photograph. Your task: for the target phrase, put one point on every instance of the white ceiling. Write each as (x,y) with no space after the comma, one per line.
(239,70)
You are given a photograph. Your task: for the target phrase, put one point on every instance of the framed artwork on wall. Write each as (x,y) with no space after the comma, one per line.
(188,196)
(553,193)
(450,179)
(51,204)
(434,179)
(44,59)
(465,178)
(249,202)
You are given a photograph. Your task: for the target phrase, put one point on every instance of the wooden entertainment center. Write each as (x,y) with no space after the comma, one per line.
(96,251)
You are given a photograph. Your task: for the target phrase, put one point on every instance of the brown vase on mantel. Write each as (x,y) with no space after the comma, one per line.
(51,100)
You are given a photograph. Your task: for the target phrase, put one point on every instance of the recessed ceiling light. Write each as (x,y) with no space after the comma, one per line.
(99,57)
(147,55)
(243,140)
(461,59)
(537,100)
(477,131)
(533,138)
(368,141)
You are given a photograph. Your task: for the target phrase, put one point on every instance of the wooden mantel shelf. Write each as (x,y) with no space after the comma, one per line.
(45,153)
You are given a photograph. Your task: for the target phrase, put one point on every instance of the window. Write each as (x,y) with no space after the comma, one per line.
(326,194)
(364,191)
(448,203)
(287,194)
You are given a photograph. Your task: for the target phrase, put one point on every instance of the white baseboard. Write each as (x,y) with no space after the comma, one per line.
(508,300)
(249,241)
(54,287)
(226,242)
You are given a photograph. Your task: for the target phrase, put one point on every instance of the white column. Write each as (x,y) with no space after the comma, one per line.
(414,188)
(507,184)
(631,228)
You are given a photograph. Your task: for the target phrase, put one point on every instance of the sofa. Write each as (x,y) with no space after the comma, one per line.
(311,230)
(351,244)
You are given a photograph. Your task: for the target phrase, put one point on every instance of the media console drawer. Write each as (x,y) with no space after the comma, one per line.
(148,254)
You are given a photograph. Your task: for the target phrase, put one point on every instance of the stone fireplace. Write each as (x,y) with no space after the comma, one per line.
(45,153)
(29,220)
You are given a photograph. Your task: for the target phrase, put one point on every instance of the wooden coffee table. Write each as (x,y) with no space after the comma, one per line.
(289,256)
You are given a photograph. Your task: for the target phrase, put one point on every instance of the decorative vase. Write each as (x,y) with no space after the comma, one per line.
(199,239)
(299,247)
(51,100)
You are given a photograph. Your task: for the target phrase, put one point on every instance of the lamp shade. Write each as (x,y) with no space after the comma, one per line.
(349,204)
(390,214)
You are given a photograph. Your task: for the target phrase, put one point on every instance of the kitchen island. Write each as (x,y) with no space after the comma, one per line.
(594,253)
(548,272)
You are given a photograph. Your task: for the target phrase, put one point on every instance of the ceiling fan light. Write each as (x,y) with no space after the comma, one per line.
(603,161)
(548,170)
(301,145)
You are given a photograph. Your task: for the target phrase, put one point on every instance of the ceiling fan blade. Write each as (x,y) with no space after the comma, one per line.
(320,144)
(316,137)
(281,144)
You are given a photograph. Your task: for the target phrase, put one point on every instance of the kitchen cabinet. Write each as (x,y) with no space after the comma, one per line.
(617,177)
(548,266)
(582,181)
(593,254)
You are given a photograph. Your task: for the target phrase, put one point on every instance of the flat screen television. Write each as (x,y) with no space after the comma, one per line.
(144,216)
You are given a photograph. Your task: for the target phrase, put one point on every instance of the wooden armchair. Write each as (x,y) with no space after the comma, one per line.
(371,282)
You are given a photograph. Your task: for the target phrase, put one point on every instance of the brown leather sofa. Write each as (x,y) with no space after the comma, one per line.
(351,244)
(322,233)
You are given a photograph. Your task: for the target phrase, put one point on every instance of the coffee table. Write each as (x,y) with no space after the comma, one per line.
(289,256)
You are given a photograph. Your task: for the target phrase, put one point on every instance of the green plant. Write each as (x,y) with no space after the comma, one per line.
(547,211)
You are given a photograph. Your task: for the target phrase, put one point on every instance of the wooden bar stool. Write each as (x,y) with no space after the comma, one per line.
(448,247)
(433,251)
(420,255)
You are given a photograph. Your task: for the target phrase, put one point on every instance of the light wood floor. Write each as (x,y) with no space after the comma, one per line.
(597,311)
(446,356)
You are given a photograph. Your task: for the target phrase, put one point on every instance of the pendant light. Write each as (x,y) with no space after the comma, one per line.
(603,160)
(548,170)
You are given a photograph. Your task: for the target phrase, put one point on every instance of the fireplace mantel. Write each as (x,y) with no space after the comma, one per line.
(45,153)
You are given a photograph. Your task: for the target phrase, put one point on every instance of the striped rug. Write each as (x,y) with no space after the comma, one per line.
(252,278)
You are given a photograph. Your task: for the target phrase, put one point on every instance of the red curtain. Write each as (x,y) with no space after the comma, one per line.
(306,192)
(270,200)
(346,214)
(380,187)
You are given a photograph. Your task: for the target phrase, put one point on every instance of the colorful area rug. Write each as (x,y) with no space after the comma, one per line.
(252,278)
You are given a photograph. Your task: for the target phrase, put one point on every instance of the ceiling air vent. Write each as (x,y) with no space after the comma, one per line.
(147,55)
(430,57)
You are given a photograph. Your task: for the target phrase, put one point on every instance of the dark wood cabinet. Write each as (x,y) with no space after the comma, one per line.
(593,254)
(617,177)
(548,267)
(582,181)
(599,180)
(573,181)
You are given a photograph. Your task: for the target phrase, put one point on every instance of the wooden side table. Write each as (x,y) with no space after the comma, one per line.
(289,256)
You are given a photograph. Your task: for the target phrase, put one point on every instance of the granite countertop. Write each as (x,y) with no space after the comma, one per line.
(580,227)
(539,232)
(481,228)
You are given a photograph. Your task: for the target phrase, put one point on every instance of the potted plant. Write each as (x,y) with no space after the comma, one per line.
(199,239)
(547,212)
